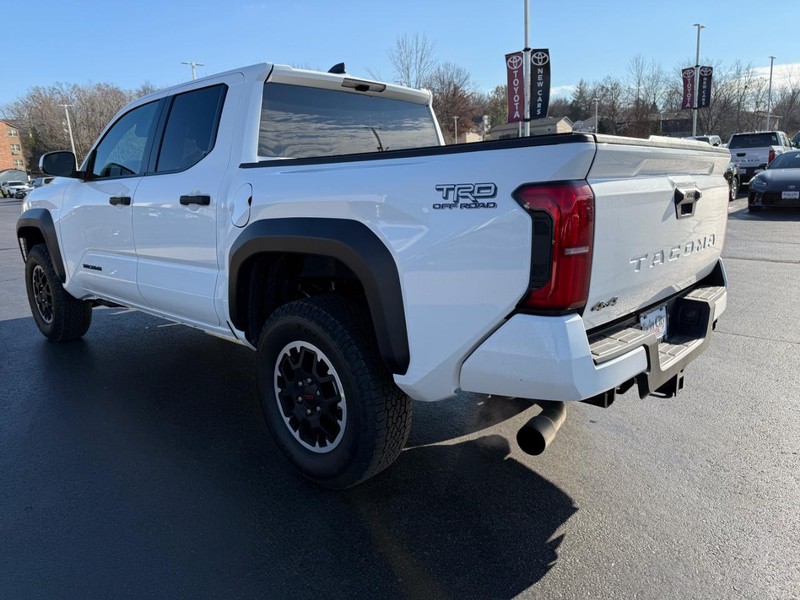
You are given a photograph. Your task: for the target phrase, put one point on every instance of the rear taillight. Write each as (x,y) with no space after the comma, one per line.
(563,234)
(771,156)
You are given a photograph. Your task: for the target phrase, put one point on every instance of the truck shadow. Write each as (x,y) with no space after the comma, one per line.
(142,468)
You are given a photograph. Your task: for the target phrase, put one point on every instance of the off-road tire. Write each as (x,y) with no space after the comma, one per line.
(376,415)
(58,315)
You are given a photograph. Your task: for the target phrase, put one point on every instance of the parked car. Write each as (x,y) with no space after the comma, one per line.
(5,187)
(732,175)
(753,151)
(778,185)
(40,181)
(10,188)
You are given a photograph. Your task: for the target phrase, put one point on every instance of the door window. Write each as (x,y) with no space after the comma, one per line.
(122,151)
(191,128)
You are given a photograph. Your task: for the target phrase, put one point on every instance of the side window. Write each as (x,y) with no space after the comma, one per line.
(191,128)
(121,152)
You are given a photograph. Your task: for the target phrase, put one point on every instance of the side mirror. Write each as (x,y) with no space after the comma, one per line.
(60,164)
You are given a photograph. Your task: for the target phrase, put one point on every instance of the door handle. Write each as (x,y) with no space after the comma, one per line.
(124,200)
(201,200)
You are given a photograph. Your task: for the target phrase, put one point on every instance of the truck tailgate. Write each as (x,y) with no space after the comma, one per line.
(661,209)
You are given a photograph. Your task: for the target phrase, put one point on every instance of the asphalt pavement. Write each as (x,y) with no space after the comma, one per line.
(135,464)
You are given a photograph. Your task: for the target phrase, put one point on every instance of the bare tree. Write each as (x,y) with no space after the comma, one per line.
(452,90)
(611,97)
(41,115)
(787,105)
(647,86)
(494,105)
(413,60)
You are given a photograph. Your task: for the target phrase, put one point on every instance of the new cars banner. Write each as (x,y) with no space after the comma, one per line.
(540,83)
(516,87)
(704,87)
(688,87)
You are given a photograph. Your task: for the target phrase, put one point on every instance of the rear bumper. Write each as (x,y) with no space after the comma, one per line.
(553,358)
(770,198)
(747,173)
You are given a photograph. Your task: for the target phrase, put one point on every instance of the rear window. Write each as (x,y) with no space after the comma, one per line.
(754,140)
(305,122)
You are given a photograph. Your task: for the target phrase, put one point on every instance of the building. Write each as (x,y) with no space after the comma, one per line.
(11,156)
(546,126)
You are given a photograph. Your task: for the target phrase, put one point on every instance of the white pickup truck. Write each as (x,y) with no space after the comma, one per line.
(318,219)
(752,152)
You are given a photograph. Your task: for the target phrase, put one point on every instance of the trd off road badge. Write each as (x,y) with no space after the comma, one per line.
(466,195)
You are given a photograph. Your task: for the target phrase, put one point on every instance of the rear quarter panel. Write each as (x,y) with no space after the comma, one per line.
(462,271)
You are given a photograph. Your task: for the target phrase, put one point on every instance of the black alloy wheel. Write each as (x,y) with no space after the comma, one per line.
(310,397)
(59,316)
(329,401)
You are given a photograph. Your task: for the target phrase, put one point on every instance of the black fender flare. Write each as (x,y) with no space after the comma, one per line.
(352,243)
(41,220)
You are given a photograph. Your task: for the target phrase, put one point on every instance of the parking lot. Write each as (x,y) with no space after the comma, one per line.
(135,463)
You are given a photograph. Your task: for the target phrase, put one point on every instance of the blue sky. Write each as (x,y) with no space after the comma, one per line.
(129,43)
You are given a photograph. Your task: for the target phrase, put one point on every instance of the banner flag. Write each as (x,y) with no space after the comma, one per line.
(704,87)
(516,88)
(688,88)
(540,83)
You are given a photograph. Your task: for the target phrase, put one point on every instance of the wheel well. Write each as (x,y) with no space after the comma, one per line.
(31,236)
(269,280)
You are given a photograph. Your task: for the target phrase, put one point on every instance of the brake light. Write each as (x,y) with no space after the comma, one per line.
(771,156)
(563,237)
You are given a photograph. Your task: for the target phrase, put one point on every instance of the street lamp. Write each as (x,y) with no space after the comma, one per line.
(769,94)
(193,65)
(69,128)
(696,80)
(455,122)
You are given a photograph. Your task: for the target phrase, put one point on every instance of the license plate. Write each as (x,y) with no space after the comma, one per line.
(790,195)
(655,321)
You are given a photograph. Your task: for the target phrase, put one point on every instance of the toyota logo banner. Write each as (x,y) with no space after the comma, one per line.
(688,87)
(516,87)
(540,83)
(704,87)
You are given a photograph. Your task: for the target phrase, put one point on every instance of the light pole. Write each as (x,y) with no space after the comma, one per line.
(69,128)
(526,78)
(455,124)
(696,80)
(193,65)
(769,94)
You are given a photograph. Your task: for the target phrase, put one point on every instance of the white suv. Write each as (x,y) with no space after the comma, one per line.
(9,188)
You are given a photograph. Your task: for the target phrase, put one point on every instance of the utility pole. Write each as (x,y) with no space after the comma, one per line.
(455,123)
(596,122)
(193,65)
(696,80)
(69,128)
(526,77)
(769,94)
